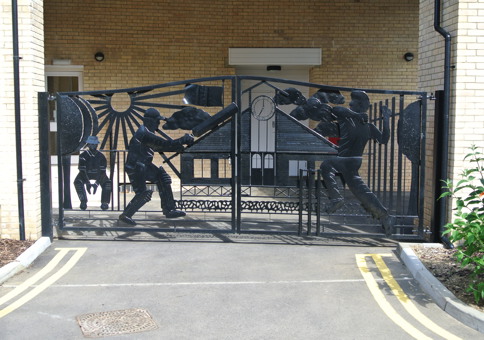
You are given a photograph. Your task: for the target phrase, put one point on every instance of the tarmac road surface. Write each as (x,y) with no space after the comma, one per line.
(218,287)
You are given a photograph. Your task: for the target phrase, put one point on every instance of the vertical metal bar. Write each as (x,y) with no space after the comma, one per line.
(236,146)
(400,200)
(404,183)
(310,179)
(112,158)
(421,195)
(369,179)
(60,172)
(392,152)
(124,180)
(385,163)
(66,168)
(44,166)
(399,173)
(301,201)
(379,148)
(318,200)
(18,130)
(118,178)
(373,155)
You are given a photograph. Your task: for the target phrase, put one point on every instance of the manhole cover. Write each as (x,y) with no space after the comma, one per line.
(96,325)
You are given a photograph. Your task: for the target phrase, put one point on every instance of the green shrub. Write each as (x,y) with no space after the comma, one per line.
(467,229)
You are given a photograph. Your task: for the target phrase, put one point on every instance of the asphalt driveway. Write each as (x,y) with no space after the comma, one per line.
(219,287)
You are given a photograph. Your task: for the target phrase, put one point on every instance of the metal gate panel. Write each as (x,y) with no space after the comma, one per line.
(221,182)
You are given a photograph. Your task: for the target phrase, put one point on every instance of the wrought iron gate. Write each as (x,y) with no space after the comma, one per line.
(223,183)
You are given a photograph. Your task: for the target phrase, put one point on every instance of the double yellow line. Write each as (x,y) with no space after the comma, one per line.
(401,296)
(78,252)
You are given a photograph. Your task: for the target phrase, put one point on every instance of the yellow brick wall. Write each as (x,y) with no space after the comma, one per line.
(30,26)
(150,42)
(468,115)
(464,21)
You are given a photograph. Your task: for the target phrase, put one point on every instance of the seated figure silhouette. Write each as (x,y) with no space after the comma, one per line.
(92,167)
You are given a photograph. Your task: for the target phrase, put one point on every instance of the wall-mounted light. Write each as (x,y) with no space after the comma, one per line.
(408,56)
(272,68)
(99,56)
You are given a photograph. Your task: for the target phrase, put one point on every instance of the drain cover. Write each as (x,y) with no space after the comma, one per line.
(96,325)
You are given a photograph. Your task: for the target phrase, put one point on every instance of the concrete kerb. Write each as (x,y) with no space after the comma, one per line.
(437,291)
(25,259)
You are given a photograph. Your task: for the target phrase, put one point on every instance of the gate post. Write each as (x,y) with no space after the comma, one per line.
(44,166)
(441,137)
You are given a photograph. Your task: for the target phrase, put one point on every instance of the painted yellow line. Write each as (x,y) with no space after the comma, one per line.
(31,281)
(44,285)
(406,302)
(383,303)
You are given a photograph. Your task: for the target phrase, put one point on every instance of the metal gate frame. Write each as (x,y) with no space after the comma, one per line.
(120,124)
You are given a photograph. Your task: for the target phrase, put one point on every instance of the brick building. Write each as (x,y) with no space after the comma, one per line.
(361,44)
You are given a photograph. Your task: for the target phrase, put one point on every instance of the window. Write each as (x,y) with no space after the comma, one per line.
(60,78)
(295,166)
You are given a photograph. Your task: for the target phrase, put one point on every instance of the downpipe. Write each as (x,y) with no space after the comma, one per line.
(18,133)
(444,149)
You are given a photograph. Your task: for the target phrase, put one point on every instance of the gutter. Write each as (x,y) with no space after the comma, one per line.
(444,149)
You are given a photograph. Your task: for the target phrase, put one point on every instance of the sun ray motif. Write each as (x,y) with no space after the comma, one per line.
(125,133)
(134,110)
(98,102)
(131,119)
(105,120)
(116,133)
(103,113)
(111,118)
(102,107)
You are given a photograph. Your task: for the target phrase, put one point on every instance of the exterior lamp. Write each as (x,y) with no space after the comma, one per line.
(272,68)
(99,56)
(408,56)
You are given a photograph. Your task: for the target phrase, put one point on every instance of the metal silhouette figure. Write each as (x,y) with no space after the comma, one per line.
(140,168)
(92,167)
(355,132)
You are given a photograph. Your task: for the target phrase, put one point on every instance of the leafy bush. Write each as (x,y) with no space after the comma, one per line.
(467,229)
